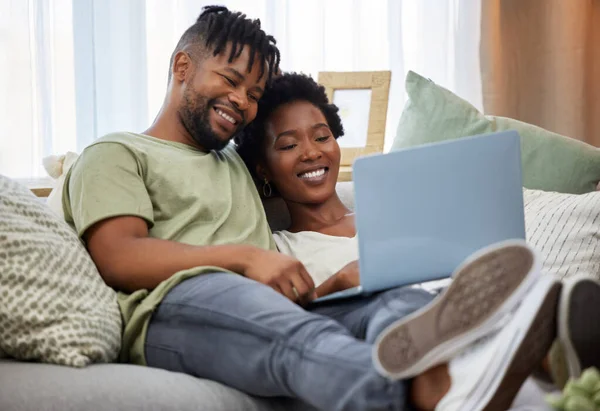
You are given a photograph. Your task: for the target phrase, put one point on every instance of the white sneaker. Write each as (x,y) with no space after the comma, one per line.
(488,376)
(487,286)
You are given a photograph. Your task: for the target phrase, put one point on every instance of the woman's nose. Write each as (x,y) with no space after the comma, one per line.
(311,153)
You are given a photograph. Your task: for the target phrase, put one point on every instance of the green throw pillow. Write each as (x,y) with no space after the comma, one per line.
(551,162)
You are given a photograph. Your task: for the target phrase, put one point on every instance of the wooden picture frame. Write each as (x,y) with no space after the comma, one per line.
(379,84)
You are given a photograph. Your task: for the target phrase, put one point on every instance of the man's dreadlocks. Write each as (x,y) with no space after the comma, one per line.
(218,26)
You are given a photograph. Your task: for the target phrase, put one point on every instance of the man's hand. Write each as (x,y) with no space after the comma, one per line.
(347,277)
(283,273)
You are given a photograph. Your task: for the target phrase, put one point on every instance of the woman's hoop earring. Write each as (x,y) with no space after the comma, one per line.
(267,191)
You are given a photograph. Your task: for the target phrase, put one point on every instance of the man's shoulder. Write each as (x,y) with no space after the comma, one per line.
(132,140)
(125,146)
(232,156)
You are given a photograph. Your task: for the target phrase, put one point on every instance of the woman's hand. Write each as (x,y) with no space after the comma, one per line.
(346,278)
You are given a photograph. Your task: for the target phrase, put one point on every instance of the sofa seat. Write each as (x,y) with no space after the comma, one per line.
(115,387)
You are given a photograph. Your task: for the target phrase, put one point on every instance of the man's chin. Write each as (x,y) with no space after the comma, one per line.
(213,142)
(221,138)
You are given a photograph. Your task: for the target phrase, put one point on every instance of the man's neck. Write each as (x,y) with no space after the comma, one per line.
(168,126)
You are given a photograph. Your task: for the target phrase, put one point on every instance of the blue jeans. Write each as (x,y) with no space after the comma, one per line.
(230,329)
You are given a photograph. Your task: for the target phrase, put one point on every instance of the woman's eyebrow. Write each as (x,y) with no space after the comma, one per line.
(285,133)
(319,125)
(291,132)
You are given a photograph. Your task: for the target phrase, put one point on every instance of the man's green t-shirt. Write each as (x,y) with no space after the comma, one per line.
(184,194)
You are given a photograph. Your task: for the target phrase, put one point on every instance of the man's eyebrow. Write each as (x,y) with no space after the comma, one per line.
(319,125)
(241,77)
(236,73)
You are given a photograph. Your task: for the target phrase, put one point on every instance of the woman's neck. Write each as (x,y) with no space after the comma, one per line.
(331,217)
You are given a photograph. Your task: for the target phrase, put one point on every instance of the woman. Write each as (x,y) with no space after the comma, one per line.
(292,151)
(322,234)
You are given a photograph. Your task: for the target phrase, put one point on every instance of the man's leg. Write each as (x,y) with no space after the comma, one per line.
(366,318)
(227,328)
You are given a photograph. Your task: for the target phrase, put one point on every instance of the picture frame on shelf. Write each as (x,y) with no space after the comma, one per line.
(362,97)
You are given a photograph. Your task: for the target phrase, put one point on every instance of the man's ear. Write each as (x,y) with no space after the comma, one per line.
(182,64)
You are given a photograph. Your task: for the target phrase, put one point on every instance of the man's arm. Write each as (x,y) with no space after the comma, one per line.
(107,201)
(129,260)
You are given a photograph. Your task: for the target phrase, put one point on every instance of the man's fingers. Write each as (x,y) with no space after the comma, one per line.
(276,288)
(300,285)
(288,290)
(306,278)
(306,290)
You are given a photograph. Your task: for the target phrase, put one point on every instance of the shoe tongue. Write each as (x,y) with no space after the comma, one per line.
(466,370)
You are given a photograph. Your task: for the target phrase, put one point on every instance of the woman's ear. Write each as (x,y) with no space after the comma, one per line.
(262,173)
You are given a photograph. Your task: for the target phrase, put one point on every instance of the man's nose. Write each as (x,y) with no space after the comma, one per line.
(239,100)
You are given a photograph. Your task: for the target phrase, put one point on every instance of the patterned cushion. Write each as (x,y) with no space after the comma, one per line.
(565,229)
(55,307)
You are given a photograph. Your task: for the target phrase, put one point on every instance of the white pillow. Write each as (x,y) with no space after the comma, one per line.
(565,229)
(57,168)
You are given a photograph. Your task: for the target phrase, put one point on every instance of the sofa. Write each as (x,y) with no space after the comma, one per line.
(560,211)
(29,386)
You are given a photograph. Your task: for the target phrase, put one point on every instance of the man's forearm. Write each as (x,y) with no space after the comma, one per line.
(143,263)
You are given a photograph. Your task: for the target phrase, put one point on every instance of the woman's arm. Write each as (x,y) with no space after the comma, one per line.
(346,278)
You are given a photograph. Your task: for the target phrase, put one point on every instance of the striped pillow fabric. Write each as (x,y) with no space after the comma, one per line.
(565,229)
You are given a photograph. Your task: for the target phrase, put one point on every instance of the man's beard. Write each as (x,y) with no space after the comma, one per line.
(195,116)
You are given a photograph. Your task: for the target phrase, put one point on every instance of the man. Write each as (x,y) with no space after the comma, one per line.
(170,216)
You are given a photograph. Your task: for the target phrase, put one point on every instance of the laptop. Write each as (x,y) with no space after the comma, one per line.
(421,211)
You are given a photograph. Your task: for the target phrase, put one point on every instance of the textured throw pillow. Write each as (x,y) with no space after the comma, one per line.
(551,162)
(565,229)
(54,306)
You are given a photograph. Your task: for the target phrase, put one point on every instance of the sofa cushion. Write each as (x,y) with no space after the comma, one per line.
(116,387)
(55,307)
(565,229)
(551,162)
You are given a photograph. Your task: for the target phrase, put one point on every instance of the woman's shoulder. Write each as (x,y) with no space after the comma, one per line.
(284,241)
(293,240)
(286,237)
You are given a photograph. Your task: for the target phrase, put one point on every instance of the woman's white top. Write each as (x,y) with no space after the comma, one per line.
(323,255)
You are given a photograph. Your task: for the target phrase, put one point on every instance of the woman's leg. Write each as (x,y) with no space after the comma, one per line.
(485,290)
(236,331)
(367,317)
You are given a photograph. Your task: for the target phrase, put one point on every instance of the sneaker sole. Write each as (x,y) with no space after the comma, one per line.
(532,349)
(486,287)
(578,329)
